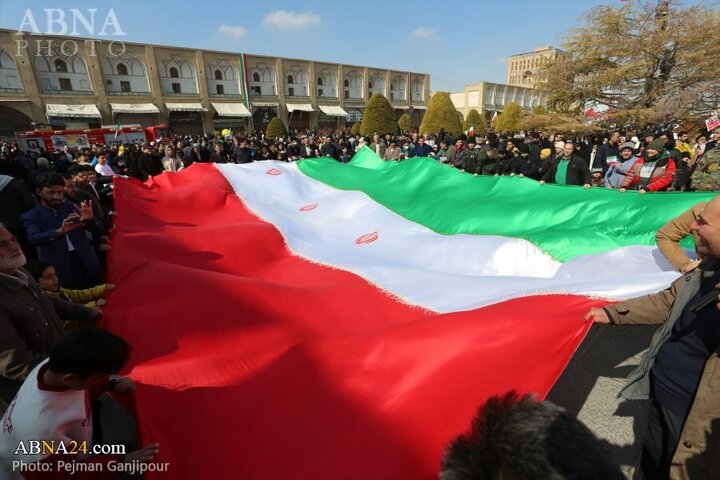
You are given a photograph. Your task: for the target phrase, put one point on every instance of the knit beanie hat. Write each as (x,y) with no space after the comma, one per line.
(545,153)
(658,145)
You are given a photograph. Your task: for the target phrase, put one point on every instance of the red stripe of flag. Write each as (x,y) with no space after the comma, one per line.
(254,363)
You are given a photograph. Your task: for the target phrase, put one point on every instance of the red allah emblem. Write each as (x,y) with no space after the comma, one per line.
(367,238)
(274,171)
(307,208)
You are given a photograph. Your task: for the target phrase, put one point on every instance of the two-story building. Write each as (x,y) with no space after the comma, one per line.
(83,83)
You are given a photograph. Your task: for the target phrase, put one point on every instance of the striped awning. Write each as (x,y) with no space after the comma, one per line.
(231,109)
(332,111)
(134,108)
(72,111)
(299,107)
(185,107)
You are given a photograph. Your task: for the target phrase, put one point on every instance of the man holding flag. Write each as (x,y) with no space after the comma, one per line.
(680,372)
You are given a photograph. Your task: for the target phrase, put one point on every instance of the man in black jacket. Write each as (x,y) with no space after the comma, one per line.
(469,157)
(568,169)
(240,153)
(488,156)
(527,163)
(84,177)
(328,149)
(149,164)
(607,154)
(218,155)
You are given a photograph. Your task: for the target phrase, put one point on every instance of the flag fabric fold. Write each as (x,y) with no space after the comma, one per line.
(307,321)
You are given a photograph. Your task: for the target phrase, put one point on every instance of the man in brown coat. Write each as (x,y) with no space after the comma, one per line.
(30,320)
(669,236)
(680,373)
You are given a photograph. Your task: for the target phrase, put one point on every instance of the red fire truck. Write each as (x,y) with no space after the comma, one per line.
(54,140)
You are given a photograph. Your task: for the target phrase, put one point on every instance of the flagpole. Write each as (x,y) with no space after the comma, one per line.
(246,87)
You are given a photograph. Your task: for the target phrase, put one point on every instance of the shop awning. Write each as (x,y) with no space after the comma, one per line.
(265,104)
(71,111)
(231,110)
(332,111)
(185,107)
(134,108)
(299,107)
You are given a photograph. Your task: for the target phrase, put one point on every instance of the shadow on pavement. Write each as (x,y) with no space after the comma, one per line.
(589,386)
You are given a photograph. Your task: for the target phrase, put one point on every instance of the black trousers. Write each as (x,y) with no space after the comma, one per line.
(663,434)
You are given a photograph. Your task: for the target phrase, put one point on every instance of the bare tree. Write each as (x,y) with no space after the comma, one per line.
(649,61)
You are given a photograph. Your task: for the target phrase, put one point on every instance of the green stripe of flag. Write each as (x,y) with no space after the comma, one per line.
(563,221)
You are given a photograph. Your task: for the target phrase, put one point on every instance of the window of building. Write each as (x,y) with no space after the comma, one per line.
(65,84)
(256,77)
(369,84)
(320,92)
(291,92)
(346,83)
(218,75)
(256,90)
(347,93)
(174,73)
(220,89)
(122,69)
(60,66)
(176,88)
(290,79)
(319,81)
(125,86)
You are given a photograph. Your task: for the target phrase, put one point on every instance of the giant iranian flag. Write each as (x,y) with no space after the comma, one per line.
(316,320)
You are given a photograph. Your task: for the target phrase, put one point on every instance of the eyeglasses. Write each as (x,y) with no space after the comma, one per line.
(6,243)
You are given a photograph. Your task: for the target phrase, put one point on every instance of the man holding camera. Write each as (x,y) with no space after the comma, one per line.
(57,228)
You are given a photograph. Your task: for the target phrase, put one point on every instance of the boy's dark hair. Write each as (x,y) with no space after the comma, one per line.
(36,267)
(89,351)
(523,439)
(77,168)
(49,180)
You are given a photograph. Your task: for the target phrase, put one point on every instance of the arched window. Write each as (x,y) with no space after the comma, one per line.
(122,69)
(60,66)
(370,84)
(218,75)
(174,73)
(346,83)
(256,77)
(320,82)
(290,79)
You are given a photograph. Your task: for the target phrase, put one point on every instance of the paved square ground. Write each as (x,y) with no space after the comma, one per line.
(589,386)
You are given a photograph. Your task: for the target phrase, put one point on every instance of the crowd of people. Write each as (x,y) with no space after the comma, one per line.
(56,213)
